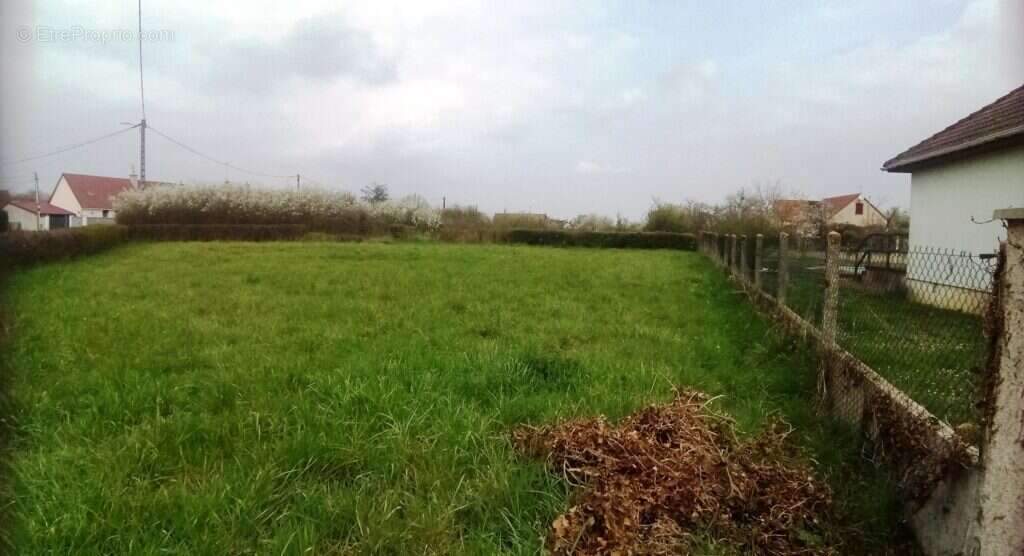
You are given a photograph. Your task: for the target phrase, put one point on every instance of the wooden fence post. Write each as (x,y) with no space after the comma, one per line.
(1002,491)
(830,310)
(758,249)
(743,258)
(780,295)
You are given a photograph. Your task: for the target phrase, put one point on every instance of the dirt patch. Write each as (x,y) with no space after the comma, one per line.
(670,475)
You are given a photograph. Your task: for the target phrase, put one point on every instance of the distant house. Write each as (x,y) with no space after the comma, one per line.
(89,198)
(959,176)
(21,215)
(853,210)
(805,217)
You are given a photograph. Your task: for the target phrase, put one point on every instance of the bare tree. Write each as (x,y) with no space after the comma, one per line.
(375,193)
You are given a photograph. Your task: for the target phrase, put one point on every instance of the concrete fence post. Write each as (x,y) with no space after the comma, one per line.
(1002,489)
(783,268)
(758,259)
(733,255)
(743,258)
(830,308)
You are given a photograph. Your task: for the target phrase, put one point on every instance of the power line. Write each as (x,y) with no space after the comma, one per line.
(216,161)
(68,148)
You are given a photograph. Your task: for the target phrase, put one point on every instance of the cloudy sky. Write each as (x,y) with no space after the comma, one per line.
(560,107)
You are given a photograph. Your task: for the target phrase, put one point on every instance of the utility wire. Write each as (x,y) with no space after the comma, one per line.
(214,160)
(68,148)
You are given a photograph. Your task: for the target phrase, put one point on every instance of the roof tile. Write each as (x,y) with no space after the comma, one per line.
(999,120)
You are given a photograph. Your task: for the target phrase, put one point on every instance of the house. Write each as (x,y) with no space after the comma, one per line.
(853,210)
(961,174)
(806,217)
(22,215)
(89,198)
(958,177)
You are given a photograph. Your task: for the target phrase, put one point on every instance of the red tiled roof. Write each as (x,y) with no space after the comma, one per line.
(836,204)
(96,192)
(44,207)
(997,123)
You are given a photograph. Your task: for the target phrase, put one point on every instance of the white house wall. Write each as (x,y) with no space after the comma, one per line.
(848,215)
(21,219)
(63,197)
(944,198)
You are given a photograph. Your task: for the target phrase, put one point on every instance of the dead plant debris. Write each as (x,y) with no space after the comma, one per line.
(670,475)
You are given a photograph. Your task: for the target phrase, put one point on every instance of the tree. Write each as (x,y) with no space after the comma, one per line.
(896,219)
(375,193)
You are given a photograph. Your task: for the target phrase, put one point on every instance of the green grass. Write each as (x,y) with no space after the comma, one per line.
(292,398)
(933,354)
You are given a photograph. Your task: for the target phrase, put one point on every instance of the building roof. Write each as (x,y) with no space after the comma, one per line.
(44,207)
(836,204)
(96,192)
(997,124)
(789,209)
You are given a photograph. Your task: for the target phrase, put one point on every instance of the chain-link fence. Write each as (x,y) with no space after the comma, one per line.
(916,318)
(913,315)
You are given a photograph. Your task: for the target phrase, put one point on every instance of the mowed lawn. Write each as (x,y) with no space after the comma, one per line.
(310,398)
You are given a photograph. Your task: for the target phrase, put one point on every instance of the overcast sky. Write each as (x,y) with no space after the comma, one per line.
(557,107)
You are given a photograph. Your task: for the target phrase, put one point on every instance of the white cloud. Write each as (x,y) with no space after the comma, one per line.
(568,107)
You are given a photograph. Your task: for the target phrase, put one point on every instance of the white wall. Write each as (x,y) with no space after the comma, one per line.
(21,219)
(848,215)
(944,198)
(63,197)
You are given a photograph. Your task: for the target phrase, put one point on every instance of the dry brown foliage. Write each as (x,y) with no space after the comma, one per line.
(670,473)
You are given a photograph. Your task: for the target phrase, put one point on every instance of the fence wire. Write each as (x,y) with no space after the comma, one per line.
(916,318)
(805,292)
(914,315)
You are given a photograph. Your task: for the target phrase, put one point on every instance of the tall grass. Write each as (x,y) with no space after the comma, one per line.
(325,398)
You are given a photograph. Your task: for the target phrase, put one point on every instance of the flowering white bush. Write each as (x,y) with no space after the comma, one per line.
(232,204)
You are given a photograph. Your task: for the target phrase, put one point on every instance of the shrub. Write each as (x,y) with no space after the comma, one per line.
(622,240)
(218,232)
(317,210)
(18,248)
(592,223)
(464,224)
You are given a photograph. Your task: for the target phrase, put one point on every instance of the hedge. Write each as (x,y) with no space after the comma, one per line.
(20,248)
(622,240)
(218,232)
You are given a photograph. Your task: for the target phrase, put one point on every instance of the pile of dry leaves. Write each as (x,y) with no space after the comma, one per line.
(668,473)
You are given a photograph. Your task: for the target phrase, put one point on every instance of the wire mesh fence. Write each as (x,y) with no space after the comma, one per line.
(916,318)
(805,290)
(913,315)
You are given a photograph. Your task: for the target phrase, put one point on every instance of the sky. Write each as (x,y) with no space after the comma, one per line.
(545,106)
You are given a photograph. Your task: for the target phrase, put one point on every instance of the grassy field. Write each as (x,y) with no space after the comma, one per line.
(294,398)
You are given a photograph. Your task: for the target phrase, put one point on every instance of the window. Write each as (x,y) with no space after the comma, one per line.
(860,209)
(106,214)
